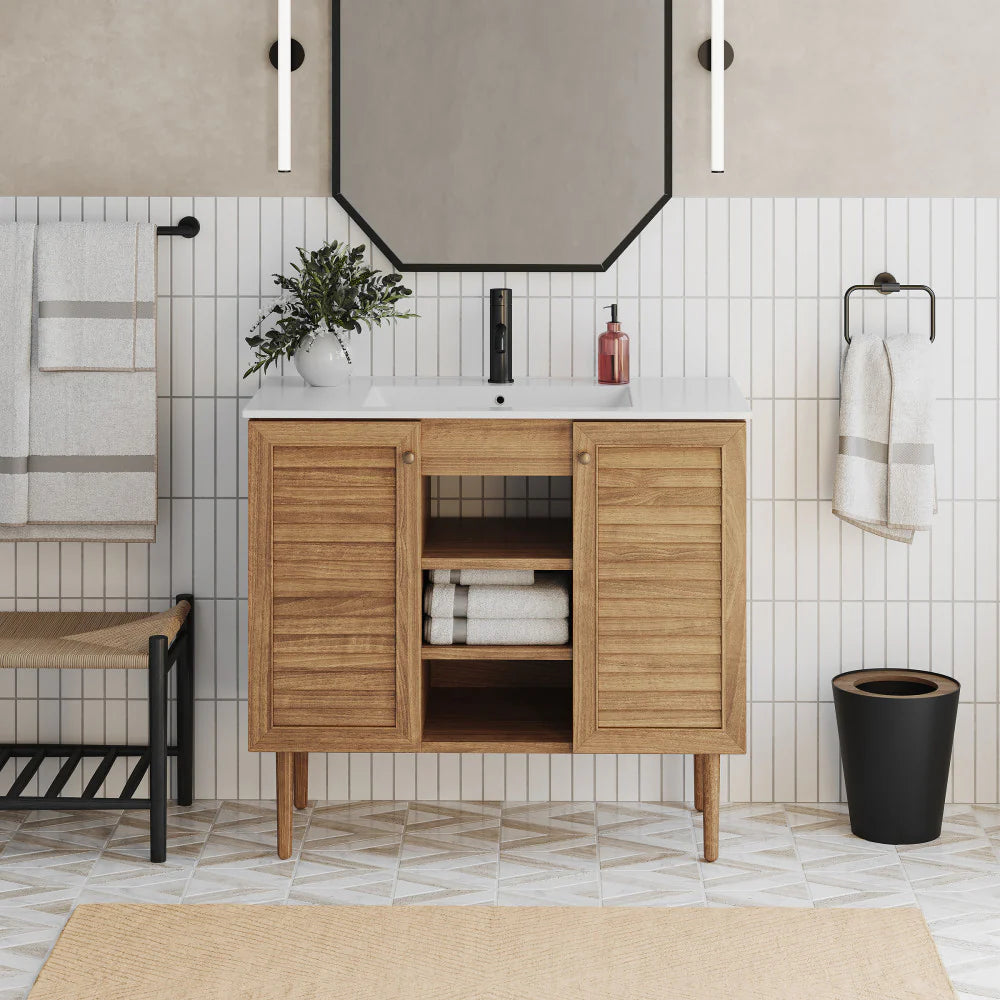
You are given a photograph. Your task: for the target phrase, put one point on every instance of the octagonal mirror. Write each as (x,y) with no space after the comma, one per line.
(501,134)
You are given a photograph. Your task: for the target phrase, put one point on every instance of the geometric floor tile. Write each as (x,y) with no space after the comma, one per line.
(506,854)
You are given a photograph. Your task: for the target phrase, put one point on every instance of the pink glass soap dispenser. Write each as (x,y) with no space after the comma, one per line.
(612,352)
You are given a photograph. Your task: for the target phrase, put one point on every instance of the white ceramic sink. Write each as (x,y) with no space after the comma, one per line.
(406,397)
(519,397)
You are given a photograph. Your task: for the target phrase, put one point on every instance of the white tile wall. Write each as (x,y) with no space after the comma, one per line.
(749,288)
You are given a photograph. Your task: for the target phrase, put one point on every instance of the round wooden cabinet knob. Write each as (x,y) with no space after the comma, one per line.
(584,457)
(409,458)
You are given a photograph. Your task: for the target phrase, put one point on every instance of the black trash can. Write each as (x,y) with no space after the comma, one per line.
(896,730)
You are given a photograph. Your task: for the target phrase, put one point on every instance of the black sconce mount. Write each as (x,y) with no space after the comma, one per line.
(705,54)
(298,55)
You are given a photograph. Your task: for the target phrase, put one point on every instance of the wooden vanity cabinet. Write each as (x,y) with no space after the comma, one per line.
(659,558)
(340,536)
(334,585)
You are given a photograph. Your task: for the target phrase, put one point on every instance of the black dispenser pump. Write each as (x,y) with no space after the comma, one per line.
(614,311)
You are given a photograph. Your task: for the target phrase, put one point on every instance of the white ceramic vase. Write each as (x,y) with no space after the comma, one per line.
(323,362)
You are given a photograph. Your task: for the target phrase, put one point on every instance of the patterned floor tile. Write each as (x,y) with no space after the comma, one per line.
(439,888)
(55,837)
(343,884)
(188,829)
(515,854)
(238,885)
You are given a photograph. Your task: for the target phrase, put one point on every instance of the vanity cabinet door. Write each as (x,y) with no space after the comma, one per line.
(659,591)
(334,584)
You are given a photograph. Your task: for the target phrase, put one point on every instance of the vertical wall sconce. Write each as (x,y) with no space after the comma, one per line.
(716,55)
(286,55)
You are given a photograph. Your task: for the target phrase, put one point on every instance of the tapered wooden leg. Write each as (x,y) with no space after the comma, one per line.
(710,780)
(286,785)
(301,780)
(699,782)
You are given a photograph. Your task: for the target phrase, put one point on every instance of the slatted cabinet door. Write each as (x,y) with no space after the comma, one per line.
(659,564)
(334,585)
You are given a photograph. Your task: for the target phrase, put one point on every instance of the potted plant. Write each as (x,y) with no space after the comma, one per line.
(327,299)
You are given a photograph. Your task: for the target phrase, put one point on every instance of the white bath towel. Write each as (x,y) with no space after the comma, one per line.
(548,597)
(17,248)
(96,296)
(884,480)
(499,577)
(491,631)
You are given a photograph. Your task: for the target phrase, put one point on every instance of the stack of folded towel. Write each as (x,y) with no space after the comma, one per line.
(480,607)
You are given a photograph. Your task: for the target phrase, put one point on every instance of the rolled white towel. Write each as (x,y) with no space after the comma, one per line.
(546,598)
(496,632)
(498,577)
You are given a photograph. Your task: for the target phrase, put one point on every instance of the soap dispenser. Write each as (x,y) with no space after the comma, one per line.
(612,352)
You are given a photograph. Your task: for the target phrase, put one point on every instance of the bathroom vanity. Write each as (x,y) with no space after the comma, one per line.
(341,532)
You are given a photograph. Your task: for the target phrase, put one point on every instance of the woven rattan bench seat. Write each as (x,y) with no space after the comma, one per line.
(101,640)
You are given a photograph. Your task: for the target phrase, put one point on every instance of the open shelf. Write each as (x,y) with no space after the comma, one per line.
(496,653)
(498,720)
(498,543)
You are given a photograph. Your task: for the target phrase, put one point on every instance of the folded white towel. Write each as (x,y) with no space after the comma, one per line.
(496,632)
(884,480)
(96,296)
(548,597)
(499,577)
(17,248)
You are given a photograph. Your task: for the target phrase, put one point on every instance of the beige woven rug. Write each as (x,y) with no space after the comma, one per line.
(141,952)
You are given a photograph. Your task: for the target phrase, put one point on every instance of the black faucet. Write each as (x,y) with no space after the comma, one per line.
(501,368)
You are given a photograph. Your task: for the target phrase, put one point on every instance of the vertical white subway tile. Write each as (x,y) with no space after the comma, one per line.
(739,247)
(806,550)
(695,331)
(717,242)
(762,542)
(806,247)
(695,246)
(762,247)
(784,448)
(896,635)
(717,338)
(828,754)
(740,350)
(828,242)
(852,237)
(963,758)
(806,456)
(784,650)
(784,247)
(494,777)
(964,248)
(761,724)
(673,247)
(538,777)
(806,752)
(785,343)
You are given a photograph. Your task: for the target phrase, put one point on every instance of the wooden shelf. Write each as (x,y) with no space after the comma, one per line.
(496,653)
(499,720)
(498,543)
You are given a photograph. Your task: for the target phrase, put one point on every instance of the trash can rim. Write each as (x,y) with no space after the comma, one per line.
(850,680)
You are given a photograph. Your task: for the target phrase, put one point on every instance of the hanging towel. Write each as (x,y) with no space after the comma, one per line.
(91,458)
(884,480)
(499,577)
(96,296)
(492,631)
(17,248)
(548,597)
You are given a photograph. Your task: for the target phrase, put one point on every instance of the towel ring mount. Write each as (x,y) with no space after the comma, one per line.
(885,284)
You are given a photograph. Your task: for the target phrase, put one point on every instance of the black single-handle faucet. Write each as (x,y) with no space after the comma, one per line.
(501,367)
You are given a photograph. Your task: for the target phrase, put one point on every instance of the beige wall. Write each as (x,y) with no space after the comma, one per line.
(839,97)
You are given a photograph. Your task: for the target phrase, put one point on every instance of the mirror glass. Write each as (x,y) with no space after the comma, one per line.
(501,134)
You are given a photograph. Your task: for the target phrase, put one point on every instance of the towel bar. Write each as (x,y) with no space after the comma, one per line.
(188,227)
(885,284)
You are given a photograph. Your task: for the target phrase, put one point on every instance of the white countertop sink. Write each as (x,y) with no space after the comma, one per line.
(365,397)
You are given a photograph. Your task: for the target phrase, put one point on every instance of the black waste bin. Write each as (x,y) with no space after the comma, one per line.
(896,730)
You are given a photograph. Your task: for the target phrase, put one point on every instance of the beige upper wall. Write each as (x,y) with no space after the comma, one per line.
(826,97)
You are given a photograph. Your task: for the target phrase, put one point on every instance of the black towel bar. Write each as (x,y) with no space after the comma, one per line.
(885,284)
(188,227)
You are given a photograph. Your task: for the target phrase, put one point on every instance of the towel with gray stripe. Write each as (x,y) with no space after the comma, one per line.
(884,481)
(504,614)
(83,380)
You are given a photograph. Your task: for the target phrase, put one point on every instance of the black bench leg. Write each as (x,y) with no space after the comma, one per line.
(185,710)
(158,748)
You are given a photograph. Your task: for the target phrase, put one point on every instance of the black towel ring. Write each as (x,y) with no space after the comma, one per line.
(885,284)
